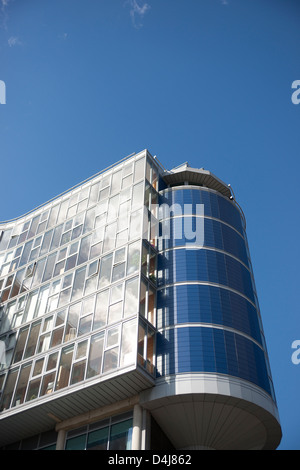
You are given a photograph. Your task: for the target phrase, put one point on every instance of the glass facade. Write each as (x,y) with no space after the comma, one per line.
(70,277)
(207,312)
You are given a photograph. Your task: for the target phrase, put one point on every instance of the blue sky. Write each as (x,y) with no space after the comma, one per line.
(203,81)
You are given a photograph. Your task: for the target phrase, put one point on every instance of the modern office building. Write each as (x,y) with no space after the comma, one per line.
(130,320)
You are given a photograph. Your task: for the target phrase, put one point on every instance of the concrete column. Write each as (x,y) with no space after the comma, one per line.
(61,438)
(146,431)
(137,427)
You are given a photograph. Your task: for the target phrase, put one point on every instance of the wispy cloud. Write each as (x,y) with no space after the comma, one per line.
(137,12)
(3,13)
(14,41)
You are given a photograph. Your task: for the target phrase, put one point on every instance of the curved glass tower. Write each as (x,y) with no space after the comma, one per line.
(213,372)
(129,318)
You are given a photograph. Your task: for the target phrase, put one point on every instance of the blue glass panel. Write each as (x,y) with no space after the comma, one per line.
(214,205)
(199,349)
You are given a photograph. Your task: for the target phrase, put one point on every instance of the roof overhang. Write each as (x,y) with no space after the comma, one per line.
(44,414)
(197,177)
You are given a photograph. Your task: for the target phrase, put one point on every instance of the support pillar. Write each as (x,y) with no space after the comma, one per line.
(137,427)
(61,438)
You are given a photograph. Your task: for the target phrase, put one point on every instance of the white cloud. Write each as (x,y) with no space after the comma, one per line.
(14,41)
(3,13)
(137,12)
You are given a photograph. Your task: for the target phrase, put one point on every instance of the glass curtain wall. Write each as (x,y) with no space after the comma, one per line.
(70,286)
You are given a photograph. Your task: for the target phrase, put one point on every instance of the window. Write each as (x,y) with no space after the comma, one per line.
(95,355)
(64,367)
(113,433)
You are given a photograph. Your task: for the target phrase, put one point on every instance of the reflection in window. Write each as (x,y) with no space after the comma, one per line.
(22,385)
(105,271)
(95,356)
(97,440)
(78,372)
(121,436)
(131,297)
(64,367)
(9,388)
(47,384)
(101,309)
(20,344)
(110,359)
(128,347)
(32,340)
(33,389)
(133,257)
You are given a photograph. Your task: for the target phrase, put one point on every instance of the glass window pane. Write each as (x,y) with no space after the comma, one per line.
(52,361)
(57,336)
(47,384)
(33,389)
(121,435)
(97,440)
(44,343)
(139,169)
(9,388)
(20,344)
(115,312)
(64,367)
(76,443)
(135,224)
(22,385)
(87,305)
(78,372)
(131,297)
(78,283)
(116,293)
(118,272)
(120,255)
(109,237)
(151,306)
(49,267)
(85,325)
(30,306)
(101,309)
(116,182)
(129,341)
(143,299)
(38,367)
(42,301)
(84,250)
(32,340)
(137,195)
(81,349)
(141,344)
(112,337)
(95,356)
(150,351)
(105,271)
(72,322)
(133,257)
(110,359)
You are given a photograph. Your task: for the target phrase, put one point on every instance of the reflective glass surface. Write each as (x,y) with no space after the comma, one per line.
(200,349)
